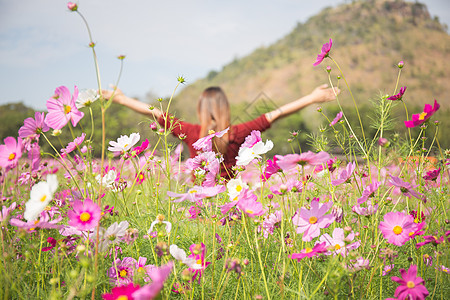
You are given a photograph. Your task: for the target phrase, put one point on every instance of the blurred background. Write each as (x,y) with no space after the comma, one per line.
(260,52)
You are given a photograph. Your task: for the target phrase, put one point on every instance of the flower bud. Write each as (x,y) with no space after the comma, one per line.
(383,142)
(400,64)
(72,6)
(328,69)
(319,109)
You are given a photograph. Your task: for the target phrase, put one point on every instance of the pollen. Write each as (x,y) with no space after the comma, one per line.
(397,230)
(11,156)
(337,246)
(43,198)
(85,216)
(123,273)
(67,109)
(422,116)
(308,250)
(122,297)
(249,211)
(199,261)
(410,284)
(239,188)
(313,220)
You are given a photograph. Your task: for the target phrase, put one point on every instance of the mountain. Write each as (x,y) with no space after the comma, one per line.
(369,39)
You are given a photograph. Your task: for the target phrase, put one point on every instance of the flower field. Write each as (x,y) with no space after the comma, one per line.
(138,222)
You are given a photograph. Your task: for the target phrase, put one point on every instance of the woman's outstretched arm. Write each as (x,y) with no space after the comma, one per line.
(134,104)
(319,95)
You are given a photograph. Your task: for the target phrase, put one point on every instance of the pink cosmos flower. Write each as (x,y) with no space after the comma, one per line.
(337,118)
(325,52)
(331,166)
(365,211)
(432,175)
(198,253)
(419,119)
(309,221)
(271,222)
(158,277)
(345,175)
(140,177)
(290,161)
(434,240)
(250,206)
(341,243)
(369,191)
(33,127)
(405,187)
(52,243)
(122,271)
(399,95)
(73,145)
(292,185)
(10,152)
(396,227)
(122,292)
(205,143)
(62,109)
(387,269)
(197,193)
(411,286)
(73,7)
(139,149)
(85,215)
(252,139)
(310,252)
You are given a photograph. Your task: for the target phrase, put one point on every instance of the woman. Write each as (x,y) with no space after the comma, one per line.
(214,114)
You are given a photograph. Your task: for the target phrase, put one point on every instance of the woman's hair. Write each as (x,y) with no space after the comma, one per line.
(214,114)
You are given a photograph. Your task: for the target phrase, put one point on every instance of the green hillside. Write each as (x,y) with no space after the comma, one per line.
(369,39)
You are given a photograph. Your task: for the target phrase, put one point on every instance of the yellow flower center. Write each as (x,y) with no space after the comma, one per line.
(122,297)
(11,156)
(410,284)
(43,198)
(308,250)
(337,246)
(249,211)
(199,261)
(141,176)
(211,131)
(123,273)
(397,230)
(140,269)
(67,109)
(239,188)
(422,116)
(84,217)
(192,191)
(313,220)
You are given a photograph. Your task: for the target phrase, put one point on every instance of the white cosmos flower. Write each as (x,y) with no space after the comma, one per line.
(180,255)
(86,98)
(160,220)
(235,186)
(108,179)
(40,196)
(246,155)
(124,143)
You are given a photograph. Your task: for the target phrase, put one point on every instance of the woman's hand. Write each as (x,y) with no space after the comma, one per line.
(118,95)
(323,93)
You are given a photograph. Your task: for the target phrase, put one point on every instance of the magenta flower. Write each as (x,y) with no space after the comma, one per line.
(369,192)
(396,227)
(419,119)
(122,292)
(290,161)
(73,145)
(271,222)
(139,149)
(325,52)
(158,277)
(271,168)
(73,7)
(52,243)
(85,215)
(387,269)
(411,286)
(309,221)
(432,175)
(405,187)
(365,211)
(399,95)
(430,239)
(140,177)
(197,193)
(62,109)
(250,206)
(33,127)
(10,152)
(345,175)
(310,252)
(205,143)
(198,254)
(337,118)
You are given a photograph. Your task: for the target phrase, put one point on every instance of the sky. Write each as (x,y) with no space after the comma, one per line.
(43,45)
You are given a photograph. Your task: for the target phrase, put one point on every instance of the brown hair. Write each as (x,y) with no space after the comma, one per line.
(213,113)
